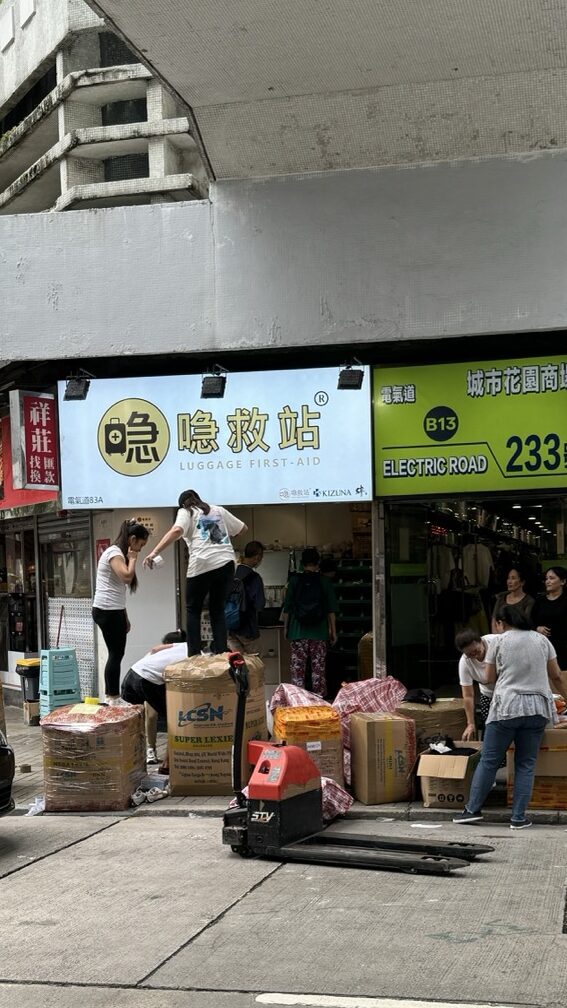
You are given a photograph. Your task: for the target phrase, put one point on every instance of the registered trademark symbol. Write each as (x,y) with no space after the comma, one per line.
(321,398)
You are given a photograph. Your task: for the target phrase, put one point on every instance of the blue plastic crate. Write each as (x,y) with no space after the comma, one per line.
(58,667)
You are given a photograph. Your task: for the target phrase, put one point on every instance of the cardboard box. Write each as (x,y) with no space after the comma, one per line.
(382,757)
(444,717)
(2,713)
(550,784)
(31,712)
(94,757)
(201,712)
(327,754)
(446,780)
(317,730)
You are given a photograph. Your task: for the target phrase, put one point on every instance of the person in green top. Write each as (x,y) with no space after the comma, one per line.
(309,620)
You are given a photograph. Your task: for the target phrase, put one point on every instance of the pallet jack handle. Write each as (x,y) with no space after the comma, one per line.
(239,674)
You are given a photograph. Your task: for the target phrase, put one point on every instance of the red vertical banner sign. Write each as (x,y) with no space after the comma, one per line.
(33,422)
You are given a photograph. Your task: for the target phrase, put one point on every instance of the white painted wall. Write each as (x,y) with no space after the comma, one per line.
(379,255)
(152,608)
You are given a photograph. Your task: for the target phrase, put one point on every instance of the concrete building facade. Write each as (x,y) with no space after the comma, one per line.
(82,122)
(311,192)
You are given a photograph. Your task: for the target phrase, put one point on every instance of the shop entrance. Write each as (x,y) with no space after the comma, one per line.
(446,560)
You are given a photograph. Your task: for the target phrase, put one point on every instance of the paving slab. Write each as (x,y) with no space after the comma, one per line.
(120,903)
(495,927)
(27,839)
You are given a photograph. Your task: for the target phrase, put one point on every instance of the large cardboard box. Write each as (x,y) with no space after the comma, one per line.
(94,757)
(446,780)
(444,717)
(201,713)
(550,784)
(382,757)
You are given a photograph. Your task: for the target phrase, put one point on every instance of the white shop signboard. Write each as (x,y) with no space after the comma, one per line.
(275,436)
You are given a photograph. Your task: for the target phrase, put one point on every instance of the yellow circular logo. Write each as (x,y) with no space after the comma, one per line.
(133,437)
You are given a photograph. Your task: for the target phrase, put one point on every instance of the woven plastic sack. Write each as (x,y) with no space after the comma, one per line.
(368,696)
(288,695)
(336,801)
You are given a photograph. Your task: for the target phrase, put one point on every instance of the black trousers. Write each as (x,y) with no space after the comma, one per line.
(112,623)
(217,583)
(137,690)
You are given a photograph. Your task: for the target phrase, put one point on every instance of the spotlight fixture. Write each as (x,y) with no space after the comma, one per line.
(351,377)
(213,384)
(77,386)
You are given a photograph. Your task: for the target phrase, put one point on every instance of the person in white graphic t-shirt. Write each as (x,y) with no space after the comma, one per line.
(206,529)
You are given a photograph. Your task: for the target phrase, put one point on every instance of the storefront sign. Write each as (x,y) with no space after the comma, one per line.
(275,436)
(460,428)
(14,500)
(33,424)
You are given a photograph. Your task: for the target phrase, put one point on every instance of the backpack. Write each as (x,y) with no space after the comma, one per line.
(236,603)
(308,601)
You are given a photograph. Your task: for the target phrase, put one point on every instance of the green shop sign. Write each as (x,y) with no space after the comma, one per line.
(458,428)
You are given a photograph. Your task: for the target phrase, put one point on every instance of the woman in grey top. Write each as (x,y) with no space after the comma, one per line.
(519,662)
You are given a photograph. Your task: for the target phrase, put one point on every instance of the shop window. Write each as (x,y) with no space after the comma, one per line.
(18,603)
(66,566)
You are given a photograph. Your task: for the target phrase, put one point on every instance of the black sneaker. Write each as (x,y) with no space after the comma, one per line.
(465,817)
(520,823)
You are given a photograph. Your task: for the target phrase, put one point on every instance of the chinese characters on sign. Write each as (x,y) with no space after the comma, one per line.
(274,436)
(397,393)
(33,423)
(515,380)
(488,426)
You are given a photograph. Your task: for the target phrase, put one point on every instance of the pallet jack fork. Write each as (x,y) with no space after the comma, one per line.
(281,819)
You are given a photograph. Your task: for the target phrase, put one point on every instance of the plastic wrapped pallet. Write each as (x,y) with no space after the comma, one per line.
(201,710)
(94,757)
(316,729)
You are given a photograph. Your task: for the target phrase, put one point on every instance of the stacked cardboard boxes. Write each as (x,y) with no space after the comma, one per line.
(550,785)
(201,713)
(93,757)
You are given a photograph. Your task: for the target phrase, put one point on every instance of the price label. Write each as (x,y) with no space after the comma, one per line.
(483,426)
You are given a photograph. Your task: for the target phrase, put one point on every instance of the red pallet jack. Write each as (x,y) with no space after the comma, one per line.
(281,819)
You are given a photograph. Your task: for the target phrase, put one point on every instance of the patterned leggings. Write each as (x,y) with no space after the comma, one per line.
(316,650)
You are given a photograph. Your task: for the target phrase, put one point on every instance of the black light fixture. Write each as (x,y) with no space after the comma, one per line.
(213,384)
(351,377)
(77,387)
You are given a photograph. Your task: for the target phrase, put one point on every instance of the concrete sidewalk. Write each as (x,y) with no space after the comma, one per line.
(26,742)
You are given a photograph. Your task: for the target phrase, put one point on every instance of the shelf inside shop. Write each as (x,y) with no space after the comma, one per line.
(353,588)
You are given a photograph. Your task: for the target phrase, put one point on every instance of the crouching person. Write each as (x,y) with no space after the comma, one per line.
(144,683)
